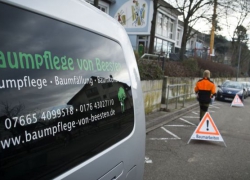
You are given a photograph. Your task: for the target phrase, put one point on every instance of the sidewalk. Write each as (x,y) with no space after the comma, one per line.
(157,119)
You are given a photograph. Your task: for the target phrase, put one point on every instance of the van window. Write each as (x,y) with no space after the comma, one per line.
(65,95)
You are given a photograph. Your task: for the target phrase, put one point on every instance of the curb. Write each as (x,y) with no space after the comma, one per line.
(162,120)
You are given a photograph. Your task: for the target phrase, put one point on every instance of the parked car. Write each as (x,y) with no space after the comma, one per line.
(229,89)
(248,87)
(246,92)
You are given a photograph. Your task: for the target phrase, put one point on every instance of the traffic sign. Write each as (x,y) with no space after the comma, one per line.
(237,101)
(207,130)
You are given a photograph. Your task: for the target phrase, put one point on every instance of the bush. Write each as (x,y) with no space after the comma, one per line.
(149,70)
(191,66)
(186,68)
(216,69)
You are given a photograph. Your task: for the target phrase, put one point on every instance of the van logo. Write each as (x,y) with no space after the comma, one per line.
(229,92)
(122,97)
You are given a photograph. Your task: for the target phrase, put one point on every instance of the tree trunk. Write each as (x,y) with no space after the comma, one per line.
(213,30)
(184,40)
(152,31)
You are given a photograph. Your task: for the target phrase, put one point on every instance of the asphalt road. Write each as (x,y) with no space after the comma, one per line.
(169,157)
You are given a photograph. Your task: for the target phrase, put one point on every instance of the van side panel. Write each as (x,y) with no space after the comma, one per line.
(71,101)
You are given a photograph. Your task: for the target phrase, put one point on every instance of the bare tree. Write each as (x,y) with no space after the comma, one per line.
(192,12)
(11,110)
(240,50)
(237,13)
(153,26)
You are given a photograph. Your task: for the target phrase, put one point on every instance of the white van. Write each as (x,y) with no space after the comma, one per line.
(71,104)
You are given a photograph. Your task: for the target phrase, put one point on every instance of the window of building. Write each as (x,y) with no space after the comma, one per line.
(170,47)
(159,24)
(178,39)
(158,47)
(165,27)
(163,46)
(192,44)
(171,29)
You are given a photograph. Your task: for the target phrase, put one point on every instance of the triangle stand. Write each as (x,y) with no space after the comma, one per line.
(207,130)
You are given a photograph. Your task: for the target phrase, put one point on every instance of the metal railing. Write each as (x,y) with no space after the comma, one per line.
(150,56)
(177,95)
(160,58)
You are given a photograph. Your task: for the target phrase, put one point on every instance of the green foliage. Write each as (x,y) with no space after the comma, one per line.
(221,44)
(149,70)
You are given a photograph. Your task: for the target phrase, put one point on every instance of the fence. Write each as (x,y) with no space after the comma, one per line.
(181,92)
(161,59)
(159,93)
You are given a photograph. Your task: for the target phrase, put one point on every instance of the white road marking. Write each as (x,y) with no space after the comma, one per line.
(178,125)
(147,160)
(217,104)
(212,106)
(191,117)
(162,139)
(211,111)
(187,121)
(170,133)
(195,113)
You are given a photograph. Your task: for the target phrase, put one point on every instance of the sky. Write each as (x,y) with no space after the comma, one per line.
(228,24)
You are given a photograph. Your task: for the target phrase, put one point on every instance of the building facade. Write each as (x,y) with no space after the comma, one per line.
(136,16)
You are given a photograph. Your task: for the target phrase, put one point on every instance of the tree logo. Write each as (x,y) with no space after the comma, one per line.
(122,97)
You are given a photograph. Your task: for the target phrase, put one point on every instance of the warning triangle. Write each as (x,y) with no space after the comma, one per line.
(207,130)
(207,126)
(237,101)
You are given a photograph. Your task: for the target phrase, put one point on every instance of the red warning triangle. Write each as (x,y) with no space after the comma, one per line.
(237,101)
(206,130)
(207,126)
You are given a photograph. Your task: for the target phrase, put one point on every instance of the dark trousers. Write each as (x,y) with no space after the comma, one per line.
(203,109)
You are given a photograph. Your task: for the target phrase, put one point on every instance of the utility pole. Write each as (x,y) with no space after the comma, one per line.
(213,29)
(238,67)
(241,32)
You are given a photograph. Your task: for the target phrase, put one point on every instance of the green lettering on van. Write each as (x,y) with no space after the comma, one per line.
(15,65)
(2,60)
(26,57)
